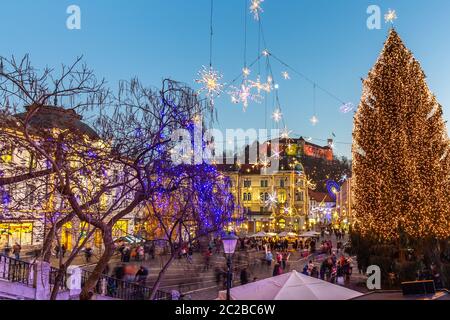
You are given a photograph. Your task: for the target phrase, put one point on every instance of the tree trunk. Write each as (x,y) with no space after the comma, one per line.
(58,281)
(93,279)
(161,276)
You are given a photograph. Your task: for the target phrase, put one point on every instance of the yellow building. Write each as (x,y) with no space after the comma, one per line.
(270,203)
(344,203)
(26,216)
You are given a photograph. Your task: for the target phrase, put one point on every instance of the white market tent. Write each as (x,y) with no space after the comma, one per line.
(287,234)
(290,286)
(260,234)
(310,234)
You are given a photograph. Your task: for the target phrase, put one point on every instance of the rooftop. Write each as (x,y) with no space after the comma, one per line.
(49,117)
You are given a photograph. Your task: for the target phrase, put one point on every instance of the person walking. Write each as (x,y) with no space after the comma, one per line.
(269,258)
(141,276)
(16,250)
(207,257)
(88,254)
(277,270)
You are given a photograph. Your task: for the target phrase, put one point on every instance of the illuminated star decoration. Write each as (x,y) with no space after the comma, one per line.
(255,8)
(287,210)
(314,120)
(246,72)
(285,133)
(260,86)
(390,16)
(347,107)
(244,95)
(344,178)
(265,163)
(272,200)
(210,81)
(277,115)
(285,75)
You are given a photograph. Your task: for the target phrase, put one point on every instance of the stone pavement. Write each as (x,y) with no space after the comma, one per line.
(197,282)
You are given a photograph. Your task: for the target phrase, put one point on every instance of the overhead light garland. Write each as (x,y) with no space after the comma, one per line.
(210,79)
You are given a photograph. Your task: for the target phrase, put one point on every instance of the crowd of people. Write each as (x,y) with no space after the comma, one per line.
(332,269)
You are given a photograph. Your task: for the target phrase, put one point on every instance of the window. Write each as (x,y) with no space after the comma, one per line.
(299,196)
(30,191)
(282,196)
(300,183)
(247,183)
(247,197)
(120,229)
(264,196)
(264,183)
(6,154)
(282,183)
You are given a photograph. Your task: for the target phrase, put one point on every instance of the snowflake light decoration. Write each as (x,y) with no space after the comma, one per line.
(285,133)
(277,115)
(210,81)
(314,120)
(243,95)
(255,8)
(272,200)
(286,75)
(246,72)
(265,163)
(267,87)
(390,16)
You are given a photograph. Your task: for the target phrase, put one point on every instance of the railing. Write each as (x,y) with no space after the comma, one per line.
(62,281)
(16,270)
(119,289)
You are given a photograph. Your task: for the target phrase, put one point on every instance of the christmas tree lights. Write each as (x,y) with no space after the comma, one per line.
(400,164)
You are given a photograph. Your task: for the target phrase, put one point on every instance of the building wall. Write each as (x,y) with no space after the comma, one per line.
(344,201)
(22,211)
(251,192)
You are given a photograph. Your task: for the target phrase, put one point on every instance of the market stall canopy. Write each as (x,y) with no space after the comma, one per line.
(285,234)
(310,234)
(271,234)
(290,286)
(260,234)
(130,239)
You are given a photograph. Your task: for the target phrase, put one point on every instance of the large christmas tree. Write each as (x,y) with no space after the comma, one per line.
(401,158)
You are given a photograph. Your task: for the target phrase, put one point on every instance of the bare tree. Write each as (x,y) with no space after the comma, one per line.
(126,160)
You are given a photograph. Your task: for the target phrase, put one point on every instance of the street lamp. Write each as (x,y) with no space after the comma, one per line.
(229,245)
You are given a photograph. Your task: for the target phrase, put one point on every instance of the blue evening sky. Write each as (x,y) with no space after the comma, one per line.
(326,40)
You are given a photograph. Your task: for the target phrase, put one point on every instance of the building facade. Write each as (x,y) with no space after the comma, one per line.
(344,202)
(26,215)
(274,202)
(270,203)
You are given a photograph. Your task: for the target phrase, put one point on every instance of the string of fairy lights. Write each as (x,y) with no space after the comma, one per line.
(243,89)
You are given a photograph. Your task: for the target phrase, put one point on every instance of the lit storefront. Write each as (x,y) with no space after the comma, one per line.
(22,233)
